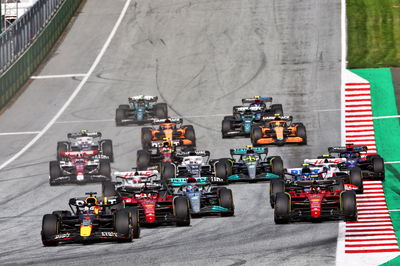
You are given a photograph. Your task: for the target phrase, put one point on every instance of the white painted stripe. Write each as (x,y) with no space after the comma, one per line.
(350,119)
(369,211)
(75,92)
(356,103)
(396,210)
(19,133)
(372,248)
(357,134)
(385,117)
(359,98)
(367,128)
(361,139)
(369,227)
(370,237)
(366,195)
(370,199)
(392,162)
(394,242)
(58,76)
(363,216)
(359,113)
(363,142)
(372,207)
(372,185)
(372,182)
(366,190)
(372,233)
(368,224)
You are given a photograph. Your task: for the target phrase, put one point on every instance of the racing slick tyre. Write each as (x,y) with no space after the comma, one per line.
(348,205)
(50,226)
(142,160)
(378,165)
(107,149)
(55,172)
(255,135)
(301,132)
(190,134)
(277,109)
(226,126)
(161,110)
(277,165)
(223,170)
(124,106)
(167,171)
(105,168)
(62,146)
(281,212)
(122,225)
(62,213)
(276,186)
(146,137)
(355,178)
(119,116)
(108,189)
(135,226)
(226,201)
(181,211)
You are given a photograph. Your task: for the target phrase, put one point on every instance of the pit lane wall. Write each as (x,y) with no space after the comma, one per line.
(387,135)
(15,77)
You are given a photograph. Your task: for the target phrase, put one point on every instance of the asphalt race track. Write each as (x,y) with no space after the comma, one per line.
(201,57)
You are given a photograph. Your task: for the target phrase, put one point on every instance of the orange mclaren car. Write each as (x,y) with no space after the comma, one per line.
(278,130)
(170,129)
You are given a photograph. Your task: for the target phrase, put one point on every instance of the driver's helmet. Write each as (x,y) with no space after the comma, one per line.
(278,117)
(143,195)
(306,169)
(91,201)
(84,132)
(250,149)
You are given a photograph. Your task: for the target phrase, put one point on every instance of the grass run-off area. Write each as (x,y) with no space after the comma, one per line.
(373,33)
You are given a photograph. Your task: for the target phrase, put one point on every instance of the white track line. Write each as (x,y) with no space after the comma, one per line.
(58,76)
(392,162)
(19,133)
(385,117)
(76,91)
(85,121)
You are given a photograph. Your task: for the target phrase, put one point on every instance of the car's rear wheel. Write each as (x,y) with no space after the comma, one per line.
(181,211)
(62,213)
(226,201)
(276,186)
(255,135)
(108,189)
(277,165)
(146,138)
(50,227)
(55,172)
(356,179)
(226,127)
(281,212)
(190,134)
(124,106)
(161,110)
(142,160)
(105,168)
(119,116)
(62,146)
(167,171)
(134,215)
(223,170)
(122,225)
(349,206)
(277,109)
(301,132)
(107,149)
(378,164)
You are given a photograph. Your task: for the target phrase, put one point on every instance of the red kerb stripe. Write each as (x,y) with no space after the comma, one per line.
(357,84)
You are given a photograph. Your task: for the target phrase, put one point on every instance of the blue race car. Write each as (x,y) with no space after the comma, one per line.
(204,198)
(372,166)
(140,110)
(252,164)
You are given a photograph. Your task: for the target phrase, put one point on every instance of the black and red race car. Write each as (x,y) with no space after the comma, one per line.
(313,200)
(156,203)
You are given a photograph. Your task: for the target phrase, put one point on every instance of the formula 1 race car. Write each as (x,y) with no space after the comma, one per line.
(86,141)
(92,219)
(261,102)
(252,164)
(170,129)
(240,124)
(372,166)
(313,199)
(79,167)
(203,197)
(156,203)
(159,153)
(140,110)
(196,164)
(278,130)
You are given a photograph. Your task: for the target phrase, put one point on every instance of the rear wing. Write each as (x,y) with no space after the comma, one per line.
(242,109)
(258,150)
(192,153)
(253,100)
(168,120)
(159,143)
(347,148)
(132,174)
(324,160)
(79,154)
(89,134)
(280,118)
(182,181)
(144,98)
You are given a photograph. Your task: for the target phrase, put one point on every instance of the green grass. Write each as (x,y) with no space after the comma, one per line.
(373,28)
